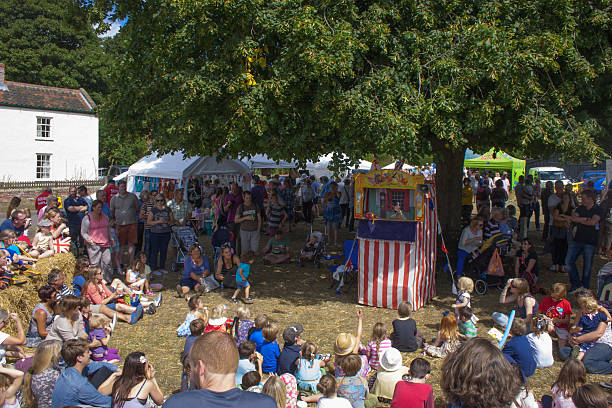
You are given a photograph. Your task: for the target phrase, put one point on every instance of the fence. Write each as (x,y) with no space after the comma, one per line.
(28,185)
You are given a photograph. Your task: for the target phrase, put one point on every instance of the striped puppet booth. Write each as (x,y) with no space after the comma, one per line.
(397,234)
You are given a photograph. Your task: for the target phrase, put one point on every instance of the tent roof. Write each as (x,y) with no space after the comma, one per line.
(391,166)
(261,161)
(209,166)
(501,161)
(170,166)
(321,167)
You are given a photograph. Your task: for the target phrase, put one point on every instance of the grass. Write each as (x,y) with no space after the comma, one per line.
(289,294)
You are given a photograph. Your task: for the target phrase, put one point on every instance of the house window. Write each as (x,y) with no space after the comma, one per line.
(43,128)
(43,165)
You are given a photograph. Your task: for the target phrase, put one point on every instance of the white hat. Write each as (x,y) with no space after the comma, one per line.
(391,359)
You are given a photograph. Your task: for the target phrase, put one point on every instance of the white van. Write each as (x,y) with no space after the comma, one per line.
(549,174)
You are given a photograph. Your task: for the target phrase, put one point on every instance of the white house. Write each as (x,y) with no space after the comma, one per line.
(46,133)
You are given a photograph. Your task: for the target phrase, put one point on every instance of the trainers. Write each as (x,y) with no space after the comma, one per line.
(158,300)
(233,300)
(151,309)
(248,300)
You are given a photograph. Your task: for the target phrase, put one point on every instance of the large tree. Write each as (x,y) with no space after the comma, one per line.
(295,79)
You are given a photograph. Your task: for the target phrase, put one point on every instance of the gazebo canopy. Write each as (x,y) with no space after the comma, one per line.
(501,161)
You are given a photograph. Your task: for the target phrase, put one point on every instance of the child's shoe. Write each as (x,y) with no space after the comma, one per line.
(248,300)
(234,300)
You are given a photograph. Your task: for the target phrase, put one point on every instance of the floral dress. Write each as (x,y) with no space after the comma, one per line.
(292,391)
(42,386)
(243,330)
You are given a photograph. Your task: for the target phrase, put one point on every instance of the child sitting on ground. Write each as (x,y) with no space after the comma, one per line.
(447,340)
(389,374)
(287,361)
(244,270)
(196,311)
(541,343)
(98,331)
(250,360)
(6,275)
(270,349)
(525,398)
(251,382)
(10,384)
(242,324)
(591,317)
(377,345)
(137,277)
(218,321)
(42,244)
(196,329)
(309,368)
(572,375)
(467,328)
(255,334)
(590,396)
(405,336)
(327,387)
(413,392)
(557,310)
(518,350)
(277,249)
(352,387)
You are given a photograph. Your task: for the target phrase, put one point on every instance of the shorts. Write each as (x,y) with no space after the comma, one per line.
(562,333)
(128,234)
(242,284)
(189,283)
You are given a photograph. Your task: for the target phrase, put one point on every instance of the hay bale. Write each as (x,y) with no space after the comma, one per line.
(22,299)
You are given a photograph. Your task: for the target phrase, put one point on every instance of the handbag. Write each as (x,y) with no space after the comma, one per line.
(209,283)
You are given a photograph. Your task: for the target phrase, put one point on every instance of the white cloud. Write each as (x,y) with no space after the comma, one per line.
(114,29)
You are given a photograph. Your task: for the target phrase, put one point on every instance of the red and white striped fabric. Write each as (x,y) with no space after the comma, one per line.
(394,271)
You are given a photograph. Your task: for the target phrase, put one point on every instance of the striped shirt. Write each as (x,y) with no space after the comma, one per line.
(64,291)
(370,349)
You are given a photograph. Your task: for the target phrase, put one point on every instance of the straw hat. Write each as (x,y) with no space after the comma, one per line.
(345,343)
(391,359)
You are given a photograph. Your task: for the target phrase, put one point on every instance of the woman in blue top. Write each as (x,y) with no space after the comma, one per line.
(333,212)
(196,267)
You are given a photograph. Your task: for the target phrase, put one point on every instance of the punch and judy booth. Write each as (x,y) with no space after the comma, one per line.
(396,233)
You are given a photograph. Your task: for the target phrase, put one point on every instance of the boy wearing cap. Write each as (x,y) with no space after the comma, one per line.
(291,351)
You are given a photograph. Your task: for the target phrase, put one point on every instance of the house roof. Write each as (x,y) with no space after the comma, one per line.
(46,97)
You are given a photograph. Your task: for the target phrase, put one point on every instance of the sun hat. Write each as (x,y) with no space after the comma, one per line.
(345,343)
(391,359)
(45,223)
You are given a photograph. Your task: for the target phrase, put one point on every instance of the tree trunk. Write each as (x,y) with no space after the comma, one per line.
(449,175)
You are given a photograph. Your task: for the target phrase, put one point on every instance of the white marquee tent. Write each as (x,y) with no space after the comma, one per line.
(261,161)
(321,167)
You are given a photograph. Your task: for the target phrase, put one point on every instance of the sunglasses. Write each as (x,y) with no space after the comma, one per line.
(160,201)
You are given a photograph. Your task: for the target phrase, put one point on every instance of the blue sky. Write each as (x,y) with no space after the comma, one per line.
(114,29)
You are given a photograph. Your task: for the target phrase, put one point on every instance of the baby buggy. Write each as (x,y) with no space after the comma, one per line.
(182,237)
(318,246)
(222,236)
(485,267)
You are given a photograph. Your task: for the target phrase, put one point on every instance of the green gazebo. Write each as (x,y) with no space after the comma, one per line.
(501,161)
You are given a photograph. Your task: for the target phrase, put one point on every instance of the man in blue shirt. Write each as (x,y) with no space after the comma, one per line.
(16,223)
(214,360)
(76,208)
(72,386)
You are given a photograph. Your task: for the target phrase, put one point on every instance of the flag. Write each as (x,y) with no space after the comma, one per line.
(61,244)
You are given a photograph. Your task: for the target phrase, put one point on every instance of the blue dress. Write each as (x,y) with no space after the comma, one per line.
(333,212)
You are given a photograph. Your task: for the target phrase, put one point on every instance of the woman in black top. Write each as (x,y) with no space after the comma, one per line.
(160,219)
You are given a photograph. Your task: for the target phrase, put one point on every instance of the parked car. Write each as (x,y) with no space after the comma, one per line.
(549,174)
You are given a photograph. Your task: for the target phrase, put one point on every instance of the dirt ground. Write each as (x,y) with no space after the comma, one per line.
(290,294)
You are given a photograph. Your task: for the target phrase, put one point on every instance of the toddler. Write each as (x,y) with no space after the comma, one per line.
(541,343)
(137,277)
(327,386)
(377,345)
(309,368)
(242,324)
(518,350)
(557,310)
(467,328)
(405,336)
(390,373)
(351,386)
(309,249)
(465,286)
(270,349)
(591,317)
(98,330)
(196,311)
(244,270)
(250,360)
(412,391)
(6,275)
(447,340)
(42,243)
(255,334)
(218,321)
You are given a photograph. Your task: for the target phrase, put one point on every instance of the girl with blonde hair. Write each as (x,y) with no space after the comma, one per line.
(42,375)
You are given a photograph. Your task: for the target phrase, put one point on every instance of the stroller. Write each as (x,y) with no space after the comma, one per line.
(478,267)
(219,238)
(319,249)
(346,273)
(183,238)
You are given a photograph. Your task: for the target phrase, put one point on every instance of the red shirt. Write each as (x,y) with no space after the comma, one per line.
(556,309)
(412,395)
(110,191)
(41,200)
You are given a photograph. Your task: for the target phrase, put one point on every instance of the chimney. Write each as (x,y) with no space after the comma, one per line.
(2,84)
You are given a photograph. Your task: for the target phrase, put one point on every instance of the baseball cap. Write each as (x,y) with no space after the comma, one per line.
(291,333)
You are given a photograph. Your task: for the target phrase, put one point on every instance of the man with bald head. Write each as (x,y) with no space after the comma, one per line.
(213,360)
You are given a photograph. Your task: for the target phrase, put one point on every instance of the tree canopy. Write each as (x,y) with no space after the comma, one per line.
(296,79)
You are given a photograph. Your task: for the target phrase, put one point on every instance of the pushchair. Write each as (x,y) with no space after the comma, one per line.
(346,273)
(182,237)
(319,249)
(478,266)
(222,236)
